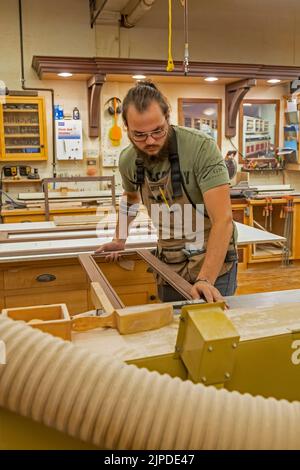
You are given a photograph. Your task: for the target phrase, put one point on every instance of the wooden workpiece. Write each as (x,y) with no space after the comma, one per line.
(126,320)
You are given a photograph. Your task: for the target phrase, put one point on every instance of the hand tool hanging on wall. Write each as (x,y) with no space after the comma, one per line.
(266,213)
(115,133)
(170,66)
(270,214)
(186,38)
(287,214)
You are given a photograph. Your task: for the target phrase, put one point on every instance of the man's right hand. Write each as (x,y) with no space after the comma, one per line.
(114,248)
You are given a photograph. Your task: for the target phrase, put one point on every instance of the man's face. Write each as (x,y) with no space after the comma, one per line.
(151,121)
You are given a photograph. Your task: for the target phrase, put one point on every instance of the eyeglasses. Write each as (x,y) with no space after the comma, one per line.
(143,136)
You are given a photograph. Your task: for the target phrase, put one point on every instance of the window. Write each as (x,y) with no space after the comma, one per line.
(202,114)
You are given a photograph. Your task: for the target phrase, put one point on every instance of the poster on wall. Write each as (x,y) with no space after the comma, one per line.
(69,139)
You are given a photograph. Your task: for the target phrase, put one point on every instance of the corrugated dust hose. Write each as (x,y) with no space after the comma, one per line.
(118,406)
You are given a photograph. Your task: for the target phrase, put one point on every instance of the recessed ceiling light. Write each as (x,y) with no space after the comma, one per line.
(139,77)
(65,74)
(211,79)
(209,111)
(274,80)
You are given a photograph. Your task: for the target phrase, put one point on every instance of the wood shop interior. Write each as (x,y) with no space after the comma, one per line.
(65,69)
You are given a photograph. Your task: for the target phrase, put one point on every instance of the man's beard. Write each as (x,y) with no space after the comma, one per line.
(161,155)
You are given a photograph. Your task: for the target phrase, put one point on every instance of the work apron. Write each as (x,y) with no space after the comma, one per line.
(183,256)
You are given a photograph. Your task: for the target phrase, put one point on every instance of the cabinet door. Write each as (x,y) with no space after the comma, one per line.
(23,129)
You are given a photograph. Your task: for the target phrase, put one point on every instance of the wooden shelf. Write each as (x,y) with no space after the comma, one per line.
(25,180)
(22,146)
(293,167)
(20,110)
(11,136)
(23,157)
(20,124)
(261,170)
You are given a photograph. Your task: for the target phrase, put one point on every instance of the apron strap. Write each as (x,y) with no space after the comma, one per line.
(176,177)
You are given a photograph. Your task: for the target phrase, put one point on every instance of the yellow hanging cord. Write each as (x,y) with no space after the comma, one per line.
(170,66)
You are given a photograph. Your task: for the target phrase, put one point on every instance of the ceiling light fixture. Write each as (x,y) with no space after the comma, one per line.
(65,74)
(211,79)
(209,111)
(247,104)
(139,77)
(274,80)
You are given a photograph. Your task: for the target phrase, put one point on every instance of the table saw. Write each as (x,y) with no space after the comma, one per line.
(252,348)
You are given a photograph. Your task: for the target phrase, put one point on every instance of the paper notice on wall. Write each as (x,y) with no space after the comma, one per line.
(110,159)
(69,139)
(291,106)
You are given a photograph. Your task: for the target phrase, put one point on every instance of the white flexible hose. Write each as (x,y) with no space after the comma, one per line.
(118,406)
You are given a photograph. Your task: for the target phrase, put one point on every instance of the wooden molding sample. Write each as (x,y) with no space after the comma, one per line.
(86,67)
(94,85)
(234,94)
(177,282)
(100,298)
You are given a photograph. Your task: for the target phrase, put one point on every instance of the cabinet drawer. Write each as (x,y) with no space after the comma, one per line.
(23,278)
(118,276)
(238,215)
(11,219)
(2,303)
(138,294)
(76,301)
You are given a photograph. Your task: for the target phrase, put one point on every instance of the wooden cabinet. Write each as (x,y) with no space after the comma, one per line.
(38,215)
(134,286)
(239,214)
(52,281)
(274,221)
(23,135)
(28,283)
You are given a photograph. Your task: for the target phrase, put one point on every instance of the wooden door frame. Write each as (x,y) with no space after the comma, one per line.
(95,274)
(241,122)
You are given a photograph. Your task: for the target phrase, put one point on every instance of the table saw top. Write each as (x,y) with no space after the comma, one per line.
(254,315)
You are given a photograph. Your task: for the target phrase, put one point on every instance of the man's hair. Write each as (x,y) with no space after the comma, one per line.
(141,96)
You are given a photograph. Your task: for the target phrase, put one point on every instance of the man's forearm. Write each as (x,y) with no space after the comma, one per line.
(217,246)
(126,214)
(122,229)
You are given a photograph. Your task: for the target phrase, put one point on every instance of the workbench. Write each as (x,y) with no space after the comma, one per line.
(31,251)
(19,248)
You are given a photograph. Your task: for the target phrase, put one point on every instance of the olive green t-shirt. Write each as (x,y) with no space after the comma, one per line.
(201,163)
